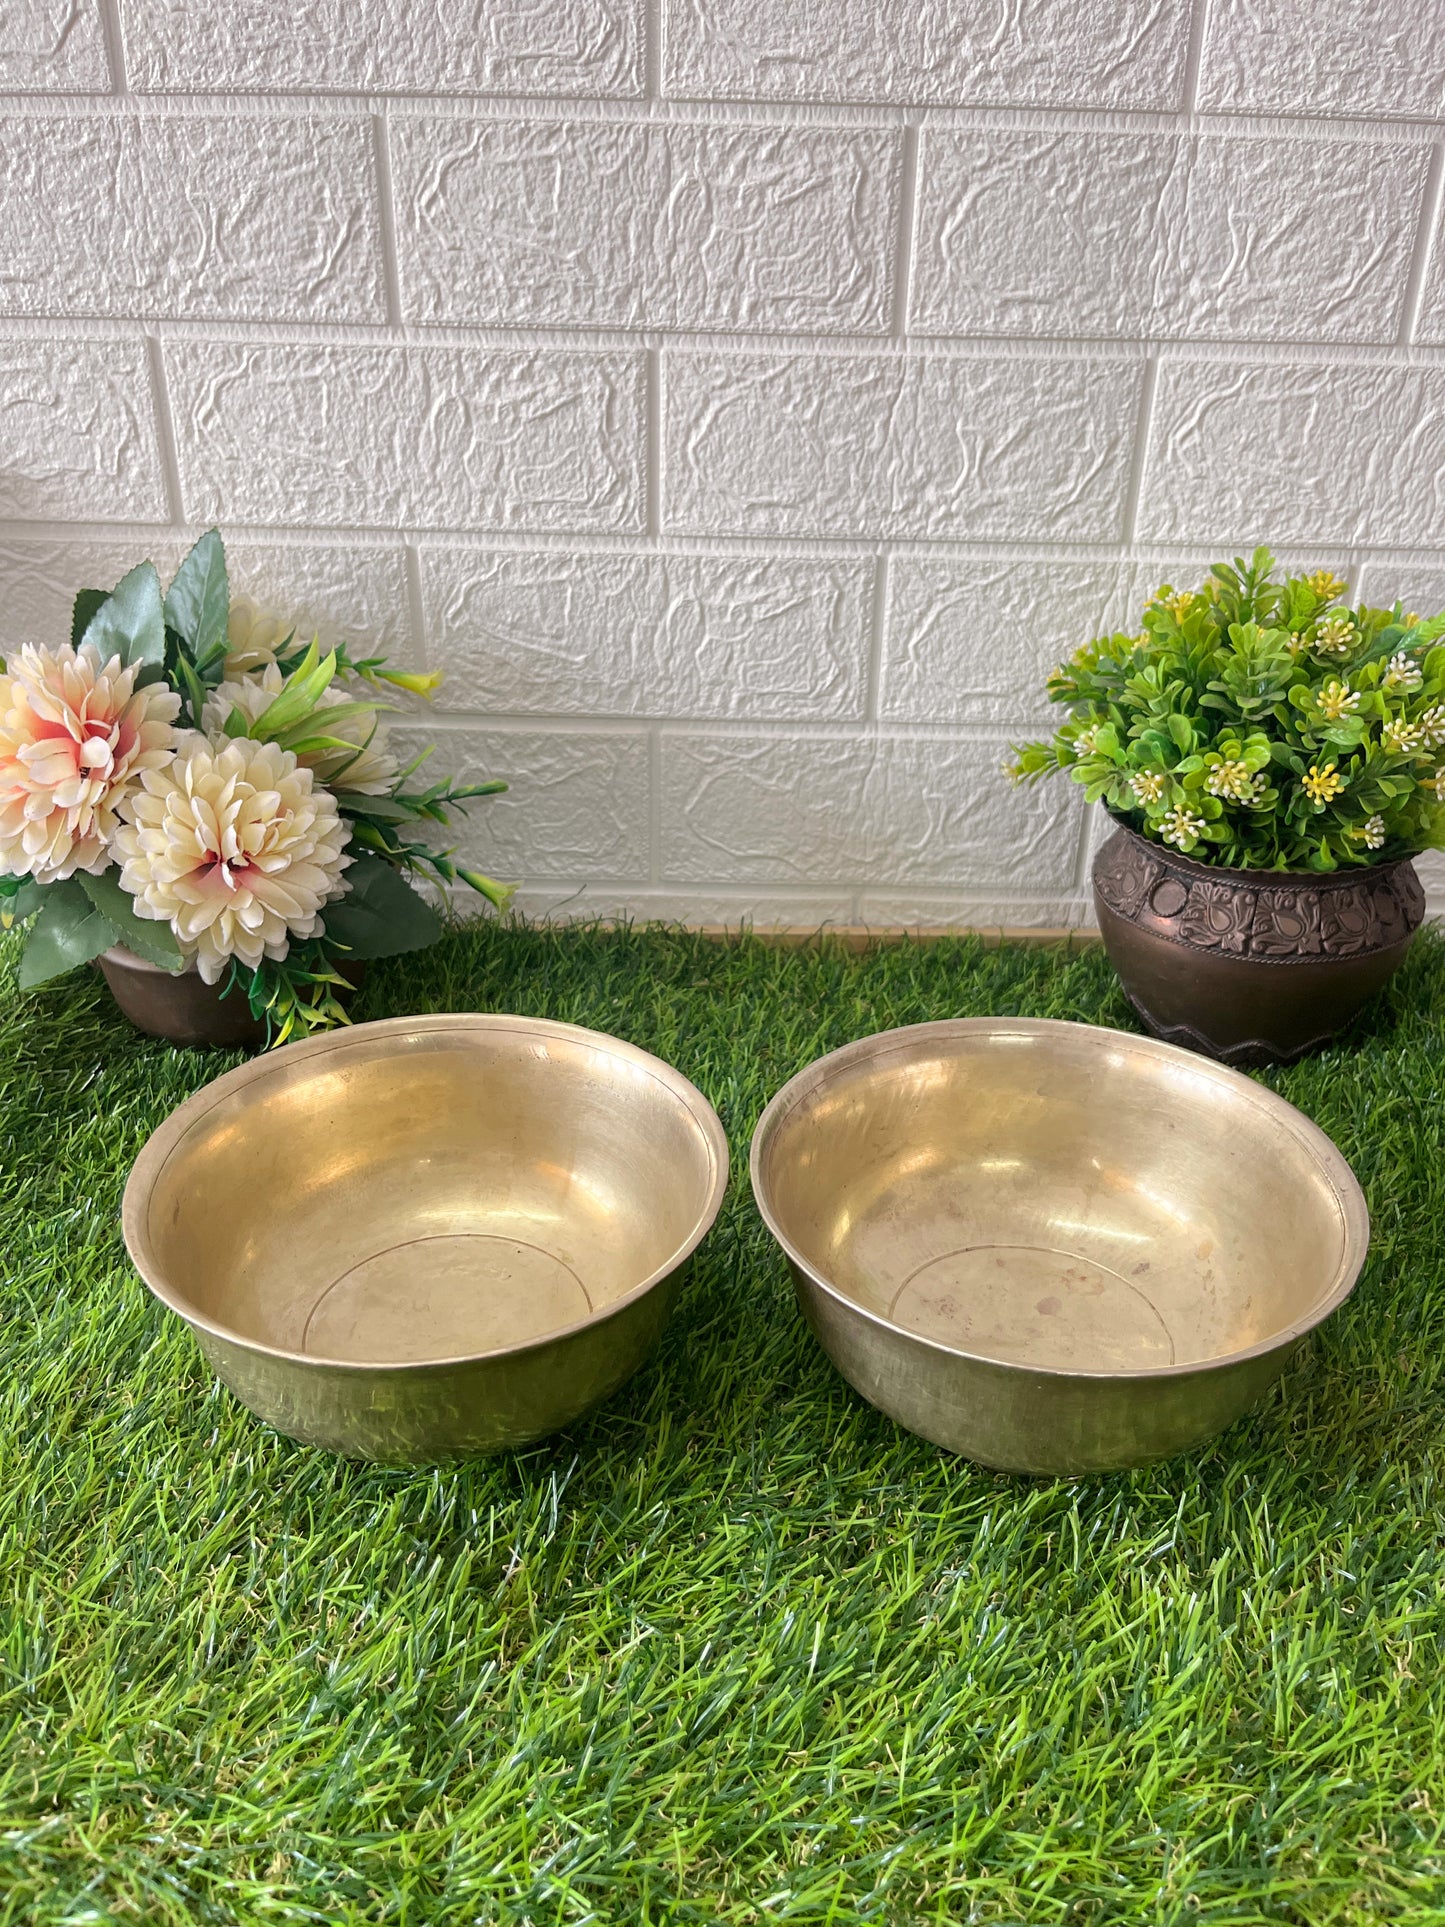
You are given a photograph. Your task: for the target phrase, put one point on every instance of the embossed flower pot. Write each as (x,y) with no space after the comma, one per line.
(1249,966)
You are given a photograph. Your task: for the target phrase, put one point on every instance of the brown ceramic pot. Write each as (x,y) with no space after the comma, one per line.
(182,1008)
(179,1005)
(1249,966)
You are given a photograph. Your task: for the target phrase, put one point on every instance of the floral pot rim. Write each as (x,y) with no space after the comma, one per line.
(1259,879)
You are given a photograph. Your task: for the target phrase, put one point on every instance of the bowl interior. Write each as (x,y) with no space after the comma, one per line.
(425,1190)
(1058,1196)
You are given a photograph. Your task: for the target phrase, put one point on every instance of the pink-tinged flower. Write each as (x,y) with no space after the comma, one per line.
(253,636)
(236,848)
(76,735)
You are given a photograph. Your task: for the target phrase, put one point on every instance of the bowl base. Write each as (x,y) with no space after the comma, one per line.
(1032,1305)
(451,1296)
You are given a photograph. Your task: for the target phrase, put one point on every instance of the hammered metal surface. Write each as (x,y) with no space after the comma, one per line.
(432,1235)
(1050,1246)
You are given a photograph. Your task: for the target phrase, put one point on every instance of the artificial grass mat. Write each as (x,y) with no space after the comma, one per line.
(736,1648)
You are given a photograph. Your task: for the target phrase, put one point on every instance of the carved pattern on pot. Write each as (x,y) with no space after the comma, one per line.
(1125,873)
(1259,914)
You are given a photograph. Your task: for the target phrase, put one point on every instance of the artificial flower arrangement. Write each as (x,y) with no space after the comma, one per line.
(1257,725)
(189,780)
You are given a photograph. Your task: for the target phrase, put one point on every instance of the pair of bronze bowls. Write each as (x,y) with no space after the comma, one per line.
(1051,1247)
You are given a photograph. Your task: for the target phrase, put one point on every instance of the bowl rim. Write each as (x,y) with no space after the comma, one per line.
(167,1136)
(1334,1167)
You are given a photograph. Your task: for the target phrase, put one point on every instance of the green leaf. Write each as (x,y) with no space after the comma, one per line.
(316,745)
(129,623)
(499,894)
(329,716)
(20,897)
(68,932)
(83,611)
(198,602)
(303,690)
(195,692)
(381,809)
(380,915)
(155,942)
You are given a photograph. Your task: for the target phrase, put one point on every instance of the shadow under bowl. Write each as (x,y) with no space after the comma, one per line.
(1052,1247)
(431,1236)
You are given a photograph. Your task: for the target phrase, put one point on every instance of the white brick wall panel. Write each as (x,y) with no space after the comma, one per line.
(571,903)
(915,910)
(1430,326)
(77,433)
(215,218)
(1384,59)
(566,47)
(903,445)
(463,438)
(1155,234)
(40,578)
(1420,588)
(52,46)
(860,809)
(575,201)
(1295,454)
(645,225)
(1432,874)
(1052,53)
(1038,233)
(617,635)
(1099,826)
(972,641)
(351,595)
(578,805)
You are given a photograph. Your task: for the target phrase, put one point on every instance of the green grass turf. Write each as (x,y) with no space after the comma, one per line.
(736,1648)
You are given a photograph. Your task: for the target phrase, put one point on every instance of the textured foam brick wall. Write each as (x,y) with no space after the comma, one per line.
(742,401)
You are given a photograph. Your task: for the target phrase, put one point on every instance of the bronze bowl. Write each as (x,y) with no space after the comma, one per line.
(1051,1247)
(432,1236)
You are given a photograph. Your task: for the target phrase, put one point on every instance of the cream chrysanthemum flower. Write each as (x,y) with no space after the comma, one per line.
(237,849)
(253,635)
(75,736)
(369,766)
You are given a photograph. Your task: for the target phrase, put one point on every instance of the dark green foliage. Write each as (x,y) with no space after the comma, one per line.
(68,931)
(1253,725)
(735,1649)
(380,915)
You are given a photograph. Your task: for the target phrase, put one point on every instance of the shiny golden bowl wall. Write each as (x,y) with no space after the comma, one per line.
(431,1236)
(1053,1247)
